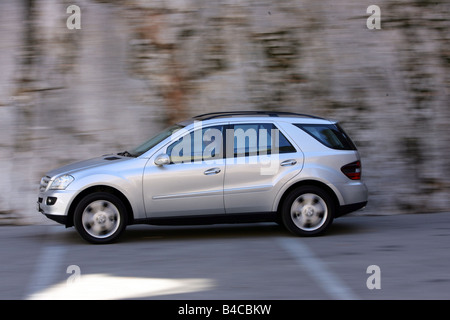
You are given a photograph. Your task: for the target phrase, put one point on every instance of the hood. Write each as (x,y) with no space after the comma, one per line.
(85,164)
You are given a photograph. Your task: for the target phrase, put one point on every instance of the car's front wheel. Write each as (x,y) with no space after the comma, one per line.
(308,211)
(100,218)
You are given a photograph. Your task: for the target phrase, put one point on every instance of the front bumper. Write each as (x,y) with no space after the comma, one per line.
(60,219)
(54,204)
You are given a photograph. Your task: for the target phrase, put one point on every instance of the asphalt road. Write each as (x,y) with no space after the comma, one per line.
(259,261)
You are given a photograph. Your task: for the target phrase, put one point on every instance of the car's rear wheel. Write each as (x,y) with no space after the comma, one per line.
(100,218)
(308,211)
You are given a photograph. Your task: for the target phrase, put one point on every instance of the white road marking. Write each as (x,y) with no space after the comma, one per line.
(47,267)
(328,281)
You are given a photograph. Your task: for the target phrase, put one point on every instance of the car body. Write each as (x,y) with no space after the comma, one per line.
(227,167)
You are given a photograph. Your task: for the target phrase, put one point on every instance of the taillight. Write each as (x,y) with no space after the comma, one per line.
(352,170)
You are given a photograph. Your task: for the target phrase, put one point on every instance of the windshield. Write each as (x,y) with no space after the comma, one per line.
(147,145)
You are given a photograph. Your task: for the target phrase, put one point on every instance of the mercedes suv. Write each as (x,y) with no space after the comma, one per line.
(298,170)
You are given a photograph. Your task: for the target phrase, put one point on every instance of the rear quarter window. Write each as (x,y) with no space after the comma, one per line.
(330,135)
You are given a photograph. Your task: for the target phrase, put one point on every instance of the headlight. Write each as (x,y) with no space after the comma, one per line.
(62,182)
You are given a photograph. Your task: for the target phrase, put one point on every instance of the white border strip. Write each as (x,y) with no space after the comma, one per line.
(329,282)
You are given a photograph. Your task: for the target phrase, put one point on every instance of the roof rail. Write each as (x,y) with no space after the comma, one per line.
(212,115)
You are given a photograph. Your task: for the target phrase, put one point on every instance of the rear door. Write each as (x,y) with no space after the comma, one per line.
(260,159)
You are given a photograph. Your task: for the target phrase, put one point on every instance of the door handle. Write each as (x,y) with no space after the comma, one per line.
(289,162)
(211,171)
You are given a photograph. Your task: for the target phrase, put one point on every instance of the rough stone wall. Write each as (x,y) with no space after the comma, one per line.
(136,66)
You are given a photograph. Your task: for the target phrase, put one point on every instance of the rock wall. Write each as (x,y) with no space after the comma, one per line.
(136,66)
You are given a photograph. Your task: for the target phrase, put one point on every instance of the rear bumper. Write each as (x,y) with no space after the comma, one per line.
(343,210)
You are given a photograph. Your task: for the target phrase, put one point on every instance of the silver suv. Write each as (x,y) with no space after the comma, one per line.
(227,167)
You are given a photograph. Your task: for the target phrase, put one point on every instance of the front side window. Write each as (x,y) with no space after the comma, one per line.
(199,145)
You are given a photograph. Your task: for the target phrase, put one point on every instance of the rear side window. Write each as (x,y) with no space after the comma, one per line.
(258,139)
(330,135)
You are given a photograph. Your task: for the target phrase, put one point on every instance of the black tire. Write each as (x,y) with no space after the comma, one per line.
(100,218)
(312,213)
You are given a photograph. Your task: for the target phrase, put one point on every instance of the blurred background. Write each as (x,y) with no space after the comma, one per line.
(136,66)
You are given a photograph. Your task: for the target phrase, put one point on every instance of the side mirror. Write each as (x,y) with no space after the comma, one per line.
(162,159)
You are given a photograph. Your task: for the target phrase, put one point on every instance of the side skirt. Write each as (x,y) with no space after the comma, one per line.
(209,219)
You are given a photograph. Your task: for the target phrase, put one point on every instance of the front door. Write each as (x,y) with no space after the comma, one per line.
(192,184)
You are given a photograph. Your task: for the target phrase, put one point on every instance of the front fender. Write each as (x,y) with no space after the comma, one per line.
(130,187)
